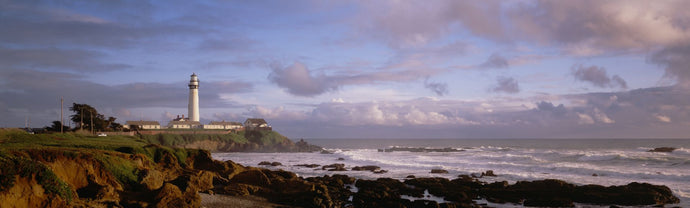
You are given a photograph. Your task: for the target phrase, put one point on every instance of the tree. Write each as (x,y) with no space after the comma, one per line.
(85,116)
(56,127)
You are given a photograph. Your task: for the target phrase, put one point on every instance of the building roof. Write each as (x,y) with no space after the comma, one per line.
(184,123)
(256,121)
(225,123)
(141,123)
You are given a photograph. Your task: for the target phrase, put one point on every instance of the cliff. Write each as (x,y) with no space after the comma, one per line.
(244,141)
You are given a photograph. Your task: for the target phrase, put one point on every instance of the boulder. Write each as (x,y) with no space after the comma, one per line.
(150,179)
(334,167)
(264,163)
(169,196)
(439,171)
(371,168)
(308,165)
(663,149)
(252,177)
(489,173)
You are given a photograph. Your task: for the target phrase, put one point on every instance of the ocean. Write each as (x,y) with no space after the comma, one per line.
(579,161)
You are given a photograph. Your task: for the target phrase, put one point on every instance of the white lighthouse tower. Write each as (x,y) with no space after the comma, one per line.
(193,106)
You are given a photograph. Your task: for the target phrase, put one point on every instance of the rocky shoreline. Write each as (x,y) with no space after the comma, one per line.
(121,172)
(164,182)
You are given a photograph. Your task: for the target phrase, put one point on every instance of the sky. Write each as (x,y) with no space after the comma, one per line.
(358,69)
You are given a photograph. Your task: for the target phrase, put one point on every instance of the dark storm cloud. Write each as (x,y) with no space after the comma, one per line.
(597,76)
(507,85)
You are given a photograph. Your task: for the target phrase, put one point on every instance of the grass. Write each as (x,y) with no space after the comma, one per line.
(183,139)
(21,153)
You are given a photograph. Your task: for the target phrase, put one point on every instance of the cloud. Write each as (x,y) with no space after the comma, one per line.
(602,26)
(559,110)
(676,62)
(57,59)
(237,43)
(35,91)
(597,76)
(664,119)
(405,24)
(585,119)
(495,61)
(440,89)
(299,80)
(506,85)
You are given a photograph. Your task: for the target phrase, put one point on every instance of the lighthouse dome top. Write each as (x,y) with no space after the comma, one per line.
(194,77)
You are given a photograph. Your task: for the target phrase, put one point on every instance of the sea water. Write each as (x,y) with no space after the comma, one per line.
(579,161)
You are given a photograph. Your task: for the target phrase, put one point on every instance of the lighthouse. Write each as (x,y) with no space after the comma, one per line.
(193,106)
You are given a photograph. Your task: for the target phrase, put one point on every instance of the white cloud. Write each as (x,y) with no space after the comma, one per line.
(602,117)
(585,119)
(662,118)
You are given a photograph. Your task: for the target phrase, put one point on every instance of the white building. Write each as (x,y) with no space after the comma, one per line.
(184,125)
(223,125)
(256,124)
(142,125)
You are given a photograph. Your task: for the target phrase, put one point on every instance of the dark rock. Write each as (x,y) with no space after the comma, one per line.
(594,174)
(308,165)
(251,177)
(439,171)
(264,163)
(663,149)
(410,176)
(334,167)
(380,171)
(629,195)
(276,164)
(383,192)
(340,158)
(371,168)
(326,152)
(425,203)
(489,173)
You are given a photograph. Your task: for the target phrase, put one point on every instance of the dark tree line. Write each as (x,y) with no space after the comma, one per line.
(87,118)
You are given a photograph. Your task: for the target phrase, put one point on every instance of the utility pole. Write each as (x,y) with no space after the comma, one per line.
(62,121)
(91,122)
(81,123)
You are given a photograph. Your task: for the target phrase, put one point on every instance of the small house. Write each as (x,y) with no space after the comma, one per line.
(223,125)
(256,124)
(143,125)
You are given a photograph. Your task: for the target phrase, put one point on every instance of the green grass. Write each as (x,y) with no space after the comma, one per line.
(265,137)
(125,171)
(183,139)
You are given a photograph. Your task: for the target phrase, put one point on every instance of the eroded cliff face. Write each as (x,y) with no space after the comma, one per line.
(63,177)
